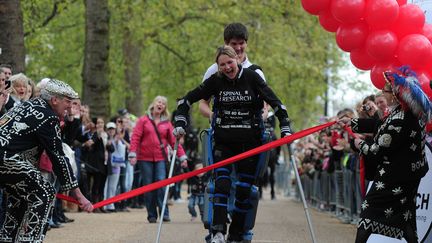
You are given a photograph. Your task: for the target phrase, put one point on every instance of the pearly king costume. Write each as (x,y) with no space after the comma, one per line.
(398,150)
(25,131)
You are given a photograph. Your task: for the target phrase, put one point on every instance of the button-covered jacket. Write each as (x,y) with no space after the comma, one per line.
(398,148)
(27,130)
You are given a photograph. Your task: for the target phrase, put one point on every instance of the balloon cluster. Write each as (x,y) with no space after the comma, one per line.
(379,35)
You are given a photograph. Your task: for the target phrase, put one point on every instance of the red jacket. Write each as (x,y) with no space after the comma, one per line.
(145,142)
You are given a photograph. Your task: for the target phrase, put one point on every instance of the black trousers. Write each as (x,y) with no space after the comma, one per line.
(245,172)
(30,199)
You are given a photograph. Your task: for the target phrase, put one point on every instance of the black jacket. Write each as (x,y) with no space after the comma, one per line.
(237,107)
(398,148)
(30,128)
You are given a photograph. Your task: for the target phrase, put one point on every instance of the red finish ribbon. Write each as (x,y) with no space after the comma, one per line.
(350,132)
(257,150)
(67,198)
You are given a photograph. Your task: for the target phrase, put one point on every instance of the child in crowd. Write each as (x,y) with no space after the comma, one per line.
(117,159)
(197,185)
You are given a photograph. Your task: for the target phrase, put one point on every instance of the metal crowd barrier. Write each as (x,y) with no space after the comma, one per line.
(337,193)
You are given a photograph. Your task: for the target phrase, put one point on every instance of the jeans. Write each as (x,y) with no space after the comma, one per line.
(129,176)
(78,162)
(111,188)
(196,199)
(152,172)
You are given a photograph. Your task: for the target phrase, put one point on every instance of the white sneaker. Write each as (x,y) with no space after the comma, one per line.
(218,238)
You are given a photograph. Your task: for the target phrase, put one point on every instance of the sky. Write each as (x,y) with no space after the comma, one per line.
(345,95)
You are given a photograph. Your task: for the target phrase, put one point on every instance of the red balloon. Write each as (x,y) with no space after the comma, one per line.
(427,69)
(425,83)
(381,14)
(414,50)
(362,60)
(377,76)
(352,36)
(410,20)
(348,11)
(428,126)
(382,45)
(328,22)
(401,2)
(315,7)
(427,31)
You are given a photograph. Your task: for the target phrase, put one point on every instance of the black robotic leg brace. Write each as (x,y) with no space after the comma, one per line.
(220,200)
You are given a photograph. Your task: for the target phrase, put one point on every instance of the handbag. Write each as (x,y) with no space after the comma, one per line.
(162,147)
(118,156)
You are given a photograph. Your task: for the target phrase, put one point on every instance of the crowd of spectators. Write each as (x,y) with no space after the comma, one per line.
(333,175)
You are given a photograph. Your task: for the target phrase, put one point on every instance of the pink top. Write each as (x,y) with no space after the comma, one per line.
(145,142)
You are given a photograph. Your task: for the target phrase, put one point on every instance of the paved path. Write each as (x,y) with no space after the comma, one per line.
(278,221)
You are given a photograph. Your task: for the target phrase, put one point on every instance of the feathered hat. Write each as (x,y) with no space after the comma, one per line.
(409,93)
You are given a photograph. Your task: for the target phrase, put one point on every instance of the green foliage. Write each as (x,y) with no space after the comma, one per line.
(55,49)
(178,41)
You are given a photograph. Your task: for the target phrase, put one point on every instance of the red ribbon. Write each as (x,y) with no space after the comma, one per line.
(257,150)
(350,132)
(67,198)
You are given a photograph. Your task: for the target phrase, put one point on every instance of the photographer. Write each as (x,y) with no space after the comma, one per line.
(369,107)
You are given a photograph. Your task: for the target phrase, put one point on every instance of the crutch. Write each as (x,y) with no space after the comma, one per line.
(167,189)
(293,162)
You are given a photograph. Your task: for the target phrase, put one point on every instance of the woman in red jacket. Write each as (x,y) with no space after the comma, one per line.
(152,130)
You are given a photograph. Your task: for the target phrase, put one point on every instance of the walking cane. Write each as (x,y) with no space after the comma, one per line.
(167,189)
(308,218)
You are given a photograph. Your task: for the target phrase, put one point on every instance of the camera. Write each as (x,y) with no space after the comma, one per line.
(8,84)
(366,107)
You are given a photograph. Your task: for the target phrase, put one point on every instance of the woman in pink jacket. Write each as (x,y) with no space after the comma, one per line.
(146,151)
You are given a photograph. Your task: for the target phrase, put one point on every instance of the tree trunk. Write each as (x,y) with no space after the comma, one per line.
(95,70)
(12,35)
(132,74)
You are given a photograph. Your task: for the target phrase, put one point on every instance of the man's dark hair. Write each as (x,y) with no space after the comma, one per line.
(235,30)
(5,66)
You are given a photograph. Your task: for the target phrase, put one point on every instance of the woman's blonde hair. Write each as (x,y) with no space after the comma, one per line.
(19,78)
(225,50)
(164,99)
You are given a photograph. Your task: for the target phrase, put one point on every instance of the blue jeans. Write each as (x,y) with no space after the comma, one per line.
(111,185)
(196,199)
(152,172)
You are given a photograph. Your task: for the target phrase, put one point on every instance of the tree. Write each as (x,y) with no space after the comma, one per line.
(164,47)
(12,35)
(132,73)
(96,86)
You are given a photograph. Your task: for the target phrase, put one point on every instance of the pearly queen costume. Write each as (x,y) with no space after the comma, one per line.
(398,149)
(25,131)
